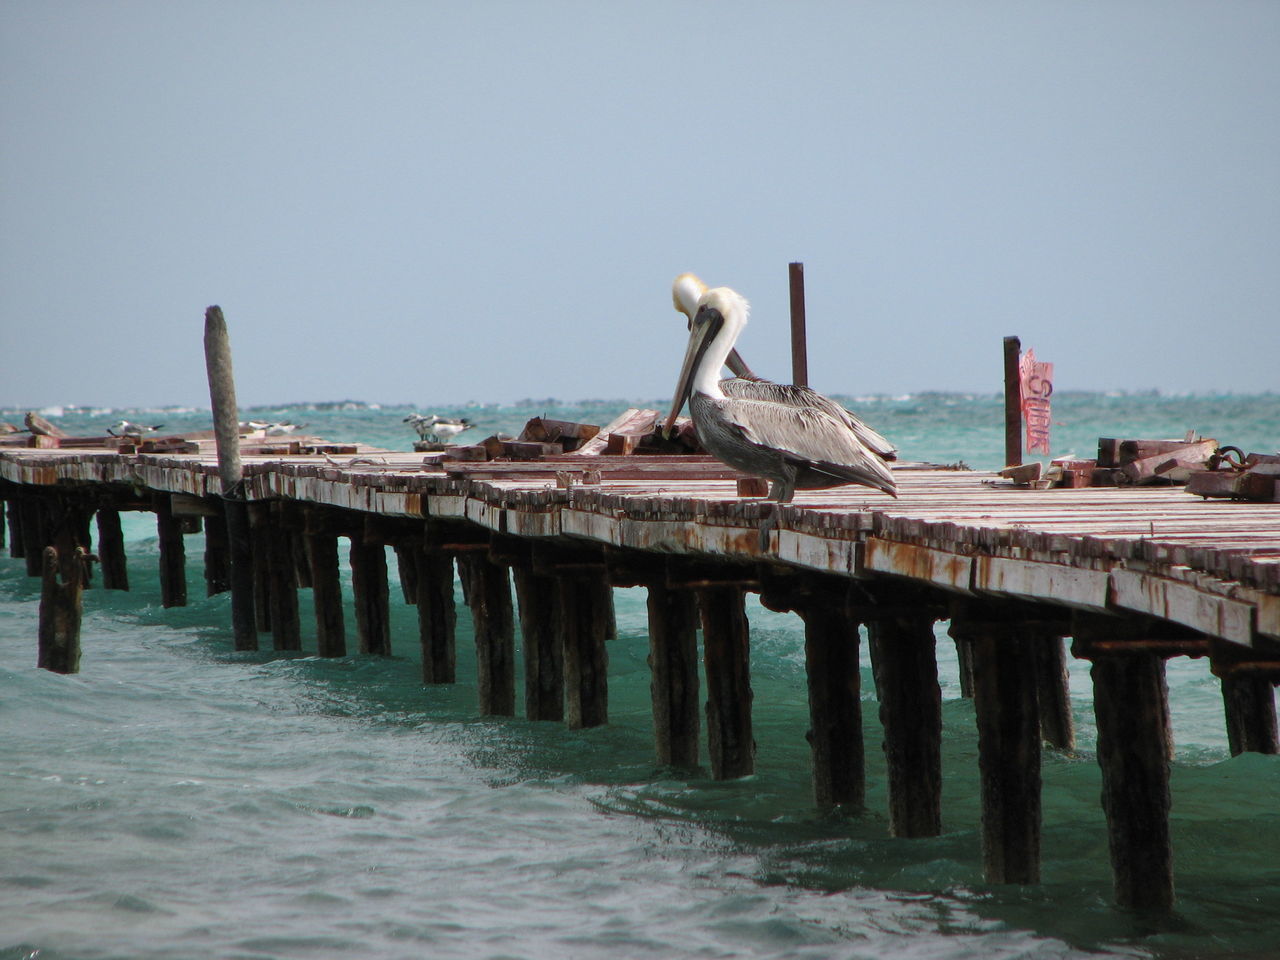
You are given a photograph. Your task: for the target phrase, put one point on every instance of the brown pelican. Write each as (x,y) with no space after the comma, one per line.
(685,292)
(794,446)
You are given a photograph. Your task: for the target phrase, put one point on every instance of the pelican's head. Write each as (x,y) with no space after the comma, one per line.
(685,293)
(721,315)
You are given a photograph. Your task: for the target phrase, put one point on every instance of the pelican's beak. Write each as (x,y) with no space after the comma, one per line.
(739,366)
(705,326)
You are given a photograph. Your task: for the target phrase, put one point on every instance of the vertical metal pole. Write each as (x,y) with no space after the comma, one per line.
(226,426)
(799,346)
(1012,403)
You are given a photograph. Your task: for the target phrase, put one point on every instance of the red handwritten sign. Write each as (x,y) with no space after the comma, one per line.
(1037,386)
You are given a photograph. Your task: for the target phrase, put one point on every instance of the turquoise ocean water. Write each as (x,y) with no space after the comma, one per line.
(179,800)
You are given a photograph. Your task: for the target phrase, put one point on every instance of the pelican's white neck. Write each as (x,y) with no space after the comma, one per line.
(734,310)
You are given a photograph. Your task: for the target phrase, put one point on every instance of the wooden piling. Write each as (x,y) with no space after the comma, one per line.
(1053,688)
(489,597)
(1130,702)
(326,585)
(260,541)
(726,658)
(217,556)
(673,660)
(904,658)
(35,535)
(13,508)
(173,554)
(371,595)
(538,602)
(437,616)
(586,623)
(226,425)
(1006,707)
(286,630)
(60,611)
(1249,705)
(831,646)
(111,552)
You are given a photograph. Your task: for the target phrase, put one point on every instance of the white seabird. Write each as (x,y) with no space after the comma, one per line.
(127,428)
(437,428)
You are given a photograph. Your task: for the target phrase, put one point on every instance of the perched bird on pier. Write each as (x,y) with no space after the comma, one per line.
(437,428)
(685,292)
(127,428)
(284,428)
(795,446)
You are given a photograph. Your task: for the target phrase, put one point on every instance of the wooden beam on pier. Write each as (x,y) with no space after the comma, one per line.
(326,585)
(726,644)
(1130,701)
(60,611)
(371,595)
(489,597)
(173,554)
(832,647)
(217,555)
(258,513)
(111,552)
(585,617)
(538,599)
(905,665)
(437,616)
(673,660)
(282,581)
(1005,640)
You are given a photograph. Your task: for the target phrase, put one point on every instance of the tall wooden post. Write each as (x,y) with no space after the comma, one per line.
(586,623)
(173,554)
(726,656)
(371,593)
(1012,403)
(673,660)
(538,599)
(799,342)
(904,658)
(489,596)
(226,425)
(60,609)
(1248,701)
(1130,702)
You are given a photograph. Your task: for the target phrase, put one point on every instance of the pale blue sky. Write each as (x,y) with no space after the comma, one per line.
(440,202)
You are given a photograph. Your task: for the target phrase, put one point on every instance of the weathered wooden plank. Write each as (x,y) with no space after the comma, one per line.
(1183,603)
(1032,580)
(940,568)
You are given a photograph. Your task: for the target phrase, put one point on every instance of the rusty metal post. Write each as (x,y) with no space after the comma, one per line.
(1012,403)
(799,345)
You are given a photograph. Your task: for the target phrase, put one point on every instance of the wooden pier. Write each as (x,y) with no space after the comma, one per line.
(1130,575)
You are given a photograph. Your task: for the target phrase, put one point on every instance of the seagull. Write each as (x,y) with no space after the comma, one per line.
(281,429)
(793,446)
(685,291)
(127,428)
(437,428)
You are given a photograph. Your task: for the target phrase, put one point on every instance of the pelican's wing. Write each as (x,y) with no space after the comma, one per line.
(811,436)
(793,396)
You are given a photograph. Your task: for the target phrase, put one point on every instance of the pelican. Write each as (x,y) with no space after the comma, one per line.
(438,427)
(794,446)
(127,428)
(685,292)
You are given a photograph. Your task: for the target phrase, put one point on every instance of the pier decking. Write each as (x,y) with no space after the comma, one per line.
(1132,575)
